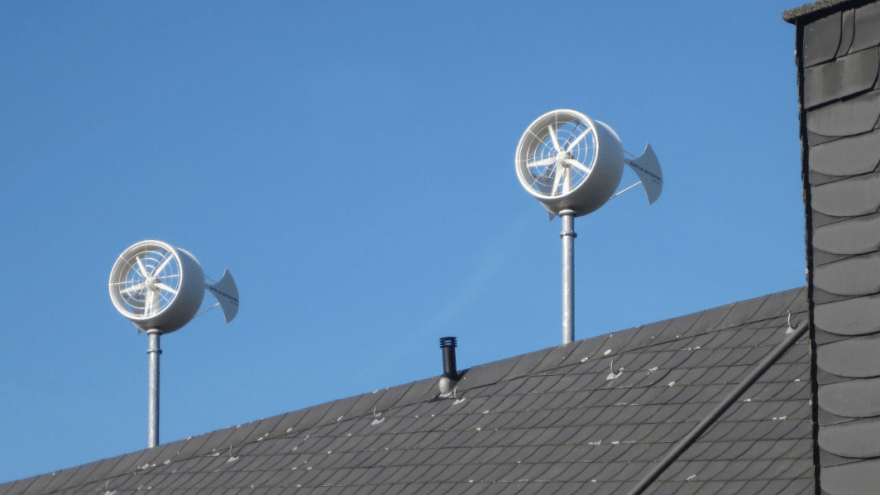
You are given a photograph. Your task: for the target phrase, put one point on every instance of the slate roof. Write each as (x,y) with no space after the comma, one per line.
(552,421)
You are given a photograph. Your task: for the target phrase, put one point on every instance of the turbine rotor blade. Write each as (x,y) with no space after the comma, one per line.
(541,163)
(141,267)
(165,287)
(162,265)
(566,184)
(148,304)
(553,137)
(133,288)
(576,164)
(157,300)
(574,143)
(556,178)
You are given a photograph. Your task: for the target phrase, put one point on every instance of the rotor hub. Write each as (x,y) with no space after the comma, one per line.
(561,157)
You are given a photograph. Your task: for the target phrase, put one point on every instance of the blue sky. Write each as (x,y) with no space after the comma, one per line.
(351,164)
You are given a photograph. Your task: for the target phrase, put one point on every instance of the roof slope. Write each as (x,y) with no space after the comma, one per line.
(552,421)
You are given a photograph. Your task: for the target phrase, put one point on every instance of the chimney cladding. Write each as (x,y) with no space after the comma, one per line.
(448,344)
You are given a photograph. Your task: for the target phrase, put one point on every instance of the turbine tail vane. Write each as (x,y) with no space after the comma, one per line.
(647,167)
(226,293)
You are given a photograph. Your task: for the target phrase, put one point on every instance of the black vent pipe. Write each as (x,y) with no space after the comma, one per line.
(448,344)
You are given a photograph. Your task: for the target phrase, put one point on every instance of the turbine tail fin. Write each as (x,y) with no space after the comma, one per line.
(227,295)
(647,167)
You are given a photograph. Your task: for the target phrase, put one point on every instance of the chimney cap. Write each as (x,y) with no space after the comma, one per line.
(448,342)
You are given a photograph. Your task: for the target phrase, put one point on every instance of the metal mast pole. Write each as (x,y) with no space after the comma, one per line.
(567,236)
(153,419)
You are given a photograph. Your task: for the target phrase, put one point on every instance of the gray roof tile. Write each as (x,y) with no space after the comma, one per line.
(850,117)
(678,328)
(821,39)
(741,313)
(487,374)
(866,18)
(850,277)
(846,157)
(842,77)
(859,316)
(585,349)
(554,358)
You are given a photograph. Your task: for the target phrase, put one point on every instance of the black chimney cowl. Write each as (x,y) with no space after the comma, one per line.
(448,344)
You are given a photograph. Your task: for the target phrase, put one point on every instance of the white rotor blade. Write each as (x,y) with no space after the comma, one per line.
(148,304)
(165,287)
(141,267)
(157,301)
(574,143)
(556,178)
(133,288)
(566,184)
(576,164)
(162,265)
(541,163)
(553,137)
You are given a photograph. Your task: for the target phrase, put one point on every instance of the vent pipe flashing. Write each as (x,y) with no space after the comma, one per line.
(448,345)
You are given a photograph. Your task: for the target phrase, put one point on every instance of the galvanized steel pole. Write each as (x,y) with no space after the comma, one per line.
(567,236)
(153,419)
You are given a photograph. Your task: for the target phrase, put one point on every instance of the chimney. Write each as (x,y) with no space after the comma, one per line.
(837,70)
(448,344)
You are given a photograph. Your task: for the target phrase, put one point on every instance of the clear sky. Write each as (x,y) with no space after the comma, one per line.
(351,164)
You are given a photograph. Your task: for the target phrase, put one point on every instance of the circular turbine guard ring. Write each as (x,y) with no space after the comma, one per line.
(157,286)
(557,153)
(145,279)
(569,161)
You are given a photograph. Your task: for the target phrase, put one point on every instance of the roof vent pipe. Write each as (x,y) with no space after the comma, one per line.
(448,344)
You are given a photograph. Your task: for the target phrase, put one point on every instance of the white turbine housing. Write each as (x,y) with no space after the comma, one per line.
(569,161)
(160,287)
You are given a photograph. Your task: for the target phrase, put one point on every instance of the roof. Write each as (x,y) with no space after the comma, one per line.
(818,9)
(553,421)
